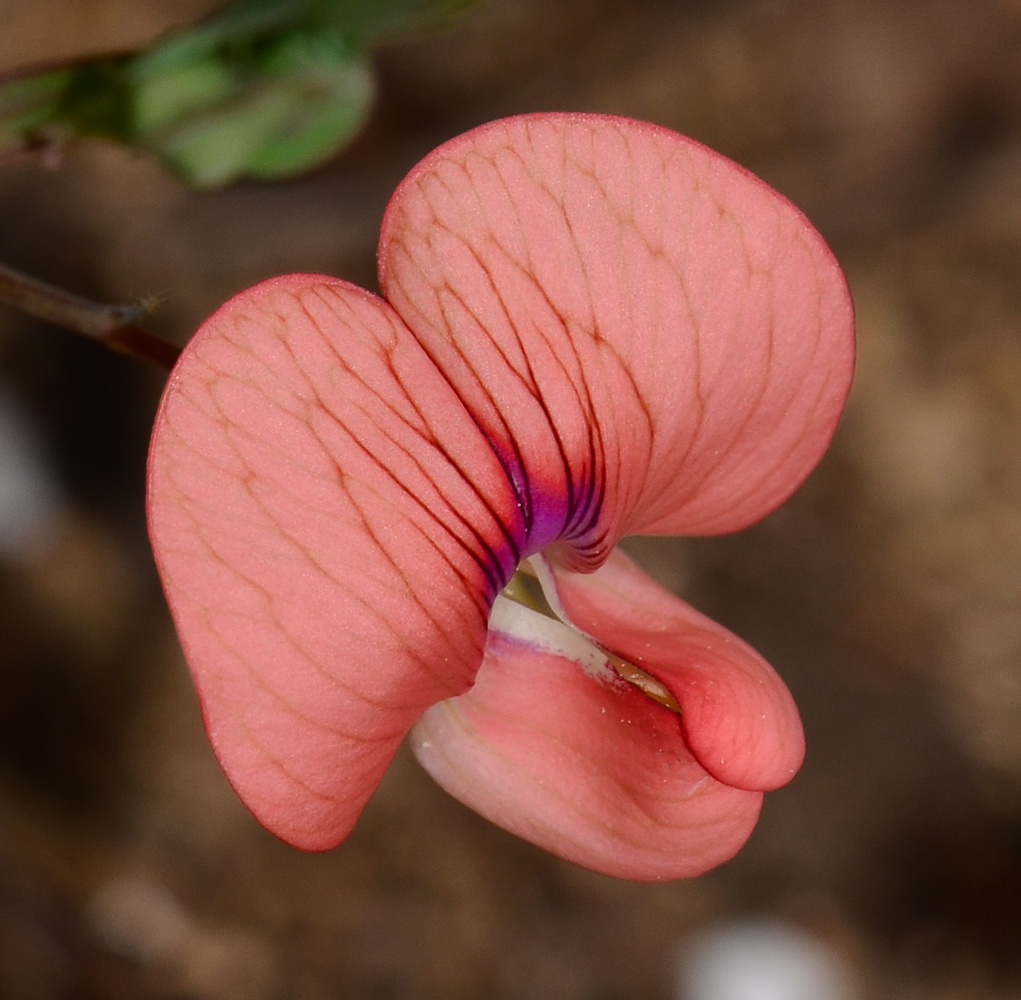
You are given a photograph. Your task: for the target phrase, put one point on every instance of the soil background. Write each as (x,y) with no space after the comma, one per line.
(887,592)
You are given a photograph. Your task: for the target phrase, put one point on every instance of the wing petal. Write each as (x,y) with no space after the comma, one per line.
(330,528)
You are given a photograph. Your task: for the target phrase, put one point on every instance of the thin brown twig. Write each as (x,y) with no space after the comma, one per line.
(112,325)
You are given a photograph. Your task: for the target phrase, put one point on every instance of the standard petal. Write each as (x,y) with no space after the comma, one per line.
(652,338)
(582,764)
(738,717)
(330,527)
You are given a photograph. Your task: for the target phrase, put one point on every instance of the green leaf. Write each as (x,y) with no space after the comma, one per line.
(97,100)
(273,127)
(28,106)
(262,89)
(266,111)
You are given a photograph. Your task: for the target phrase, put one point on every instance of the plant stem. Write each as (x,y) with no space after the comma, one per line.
(112,325)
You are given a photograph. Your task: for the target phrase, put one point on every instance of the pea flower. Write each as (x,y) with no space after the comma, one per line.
(589,327)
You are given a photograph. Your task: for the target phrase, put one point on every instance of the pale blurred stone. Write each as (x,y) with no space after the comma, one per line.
(761,960)
(142,921)
(30,500)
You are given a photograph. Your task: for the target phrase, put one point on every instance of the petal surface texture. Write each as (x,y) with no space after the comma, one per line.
(328,542)
(588,766)
(654,340)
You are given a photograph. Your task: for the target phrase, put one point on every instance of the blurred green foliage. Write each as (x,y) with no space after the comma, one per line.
(262,89)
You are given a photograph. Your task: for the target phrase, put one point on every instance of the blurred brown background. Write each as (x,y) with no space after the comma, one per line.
(886,592)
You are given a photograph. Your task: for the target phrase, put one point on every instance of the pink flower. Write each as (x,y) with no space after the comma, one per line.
(591,327)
